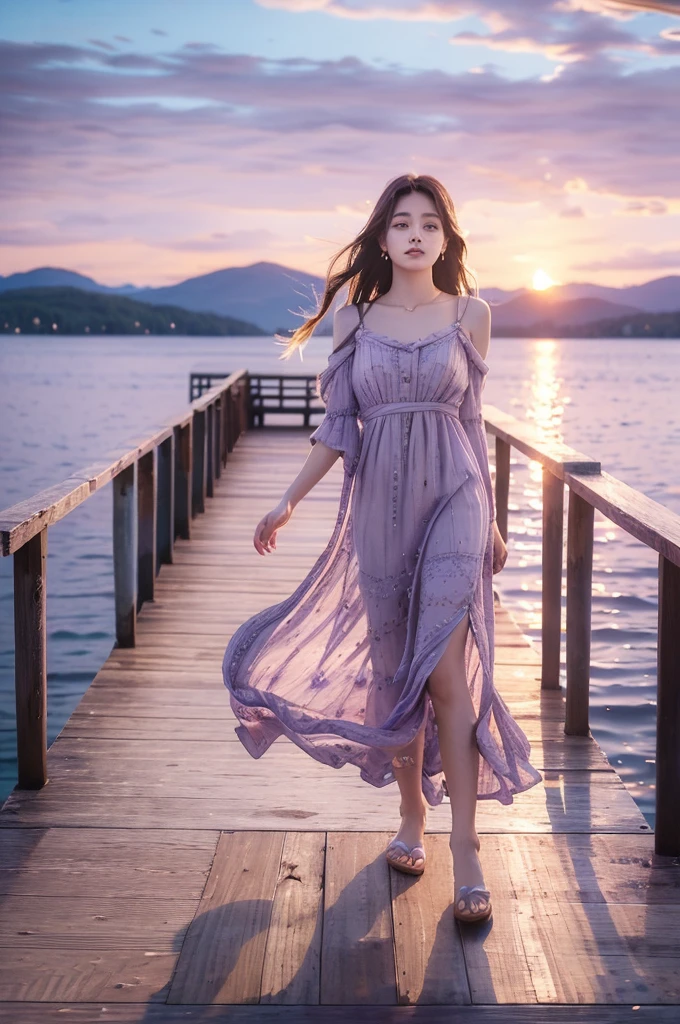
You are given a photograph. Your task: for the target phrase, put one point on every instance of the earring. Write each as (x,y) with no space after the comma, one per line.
(384,255)
(442,255)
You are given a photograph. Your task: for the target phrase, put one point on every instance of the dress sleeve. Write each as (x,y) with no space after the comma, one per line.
(339,429)
(472,420)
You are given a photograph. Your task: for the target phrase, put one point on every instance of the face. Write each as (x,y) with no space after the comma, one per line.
(415,237)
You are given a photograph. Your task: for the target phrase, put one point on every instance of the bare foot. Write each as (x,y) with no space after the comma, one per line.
(411,832)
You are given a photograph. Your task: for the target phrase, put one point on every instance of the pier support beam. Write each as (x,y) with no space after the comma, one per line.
(183,479)
(146,530)
(125,554)
(551,587)
(502,486)
(165,515)
(581,518)
(218,435)
(667,827)
(210,450)
(199,439)
(30,660)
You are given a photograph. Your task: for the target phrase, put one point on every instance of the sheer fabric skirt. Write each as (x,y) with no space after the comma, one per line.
(341,666)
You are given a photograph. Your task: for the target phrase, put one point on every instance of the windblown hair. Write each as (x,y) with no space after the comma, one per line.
(359,263)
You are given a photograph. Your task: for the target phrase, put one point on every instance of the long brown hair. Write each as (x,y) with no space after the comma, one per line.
(368,275)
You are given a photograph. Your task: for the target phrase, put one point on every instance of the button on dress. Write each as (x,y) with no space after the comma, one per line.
(340,667)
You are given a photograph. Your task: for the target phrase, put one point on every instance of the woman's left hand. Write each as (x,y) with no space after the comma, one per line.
(500,551)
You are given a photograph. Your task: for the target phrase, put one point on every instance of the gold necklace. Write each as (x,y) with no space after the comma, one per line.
(409,309)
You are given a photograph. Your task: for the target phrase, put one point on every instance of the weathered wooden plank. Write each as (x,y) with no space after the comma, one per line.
(222,957)
(567,801)
(428,950)
(581,869)
(94,923)
(135,1013)
(357,959)
(106,862)
(292,961)
(79,975)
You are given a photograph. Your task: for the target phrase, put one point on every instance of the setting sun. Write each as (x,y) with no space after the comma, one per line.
(541,281)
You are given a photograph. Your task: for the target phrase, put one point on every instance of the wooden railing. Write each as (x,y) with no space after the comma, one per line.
(641,517)
(160,484)
(270,393)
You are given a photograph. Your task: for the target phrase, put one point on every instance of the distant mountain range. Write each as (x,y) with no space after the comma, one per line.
(70,310)
(272,298)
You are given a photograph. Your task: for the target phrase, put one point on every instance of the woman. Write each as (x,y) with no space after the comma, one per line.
(383,656)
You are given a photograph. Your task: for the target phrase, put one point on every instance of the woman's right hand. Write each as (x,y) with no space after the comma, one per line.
(265,531)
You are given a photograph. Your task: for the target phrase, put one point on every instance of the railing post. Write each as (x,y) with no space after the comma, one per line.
(244,400)
(581,517)
(146,529)
(125,554)
(231,420)
(30,660)
(210,444)
(183,480)
(199,461)
(165,515)
(217,447)
(667,827)
(502,486)
(551,575)
(225,425)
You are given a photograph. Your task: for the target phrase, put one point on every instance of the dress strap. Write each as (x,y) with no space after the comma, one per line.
(363,310)
(459,315)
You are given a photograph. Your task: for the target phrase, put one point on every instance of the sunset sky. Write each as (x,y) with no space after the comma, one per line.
(147,142)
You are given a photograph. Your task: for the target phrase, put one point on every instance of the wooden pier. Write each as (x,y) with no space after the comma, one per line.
(164,875)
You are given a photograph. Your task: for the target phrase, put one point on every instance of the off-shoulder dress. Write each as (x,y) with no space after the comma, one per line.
(340,667)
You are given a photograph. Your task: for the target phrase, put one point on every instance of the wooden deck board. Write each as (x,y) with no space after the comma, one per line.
(163,874)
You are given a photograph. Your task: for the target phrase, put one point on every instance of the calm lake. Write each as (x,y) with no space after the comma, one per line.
(66,401)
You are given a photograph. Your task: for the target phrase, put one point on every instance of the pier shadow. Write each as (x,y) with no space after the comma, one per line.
(349,956)
(620,928)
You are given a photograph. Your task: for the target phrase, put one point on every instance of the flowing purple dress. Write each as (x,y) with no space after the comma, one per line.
(340,667)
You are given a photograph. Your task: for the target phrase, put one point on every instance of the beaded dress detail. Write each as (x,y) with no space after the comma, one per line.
(340,667)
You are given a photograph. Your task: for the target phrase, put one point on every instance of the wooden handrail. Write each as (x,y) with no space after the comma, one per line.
(640,516)
(279,393)
(643,518)
(20,522)
(160,483)
(554,455)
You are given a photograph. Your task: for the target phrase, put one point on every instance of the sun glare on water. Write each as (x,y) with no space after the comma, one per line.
(541,281)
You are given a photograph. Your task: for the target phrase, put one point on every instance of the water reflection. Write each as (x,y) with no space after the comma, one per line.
(623,607)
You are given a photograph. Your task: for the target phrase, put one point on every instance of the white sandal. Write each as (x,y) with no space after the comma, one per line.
(467,894)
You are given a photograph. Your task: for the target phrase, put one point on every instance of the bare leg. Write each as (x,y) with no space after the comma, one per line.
(413,806)
(455,717)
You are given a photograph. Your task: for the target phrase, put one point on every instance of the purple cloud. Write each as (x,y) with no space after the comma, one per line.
(635,259)
(200,151)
